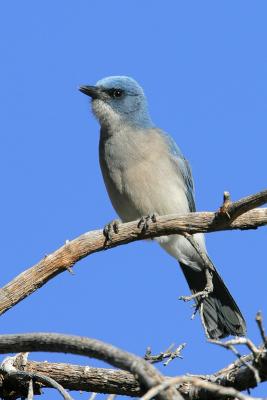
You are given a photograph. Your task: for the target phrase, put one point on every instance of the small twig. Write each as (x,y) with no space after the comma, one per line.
(175,354)
(169,354)
(242,341)
(261,328)
(30,391)
(196,382)
(235,209)
(237,364)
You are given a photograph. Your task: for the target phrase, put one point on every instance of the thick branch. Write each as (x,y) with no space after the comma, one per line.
(238,376)
(147,375)
(102,380)
(66,256)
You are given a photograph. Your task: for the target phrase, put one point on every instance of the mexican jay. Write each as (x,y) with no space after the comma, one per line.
(146,173)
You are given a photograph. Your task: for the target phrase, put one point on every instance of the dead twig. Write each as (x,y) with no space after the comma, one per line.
(259,321)
(30,391)
(230,345)
(167,354)
(199,383)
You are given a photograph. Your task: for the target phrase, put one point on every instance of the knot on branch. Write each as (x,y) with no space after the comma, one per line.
(224,210)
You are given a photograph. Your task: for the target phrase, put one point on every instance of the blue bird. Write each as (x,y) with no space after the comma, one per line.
(145,173)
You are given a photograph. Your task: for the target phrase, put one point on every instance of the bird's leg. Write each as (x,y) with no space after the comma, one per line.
(143,223)
(111,227)
(208,268)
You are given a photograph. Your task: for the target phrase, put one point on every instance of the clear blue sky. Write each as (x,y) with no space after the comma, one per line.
(203,67)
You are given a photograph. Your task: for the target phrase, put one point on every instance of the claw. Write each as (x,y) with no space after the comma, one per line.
(109,228)
(143,223)
(153,217)
(116,224)
(107,232)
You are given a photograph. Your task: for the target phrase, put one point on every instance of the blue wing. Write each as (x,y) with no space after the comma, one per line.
(185,170)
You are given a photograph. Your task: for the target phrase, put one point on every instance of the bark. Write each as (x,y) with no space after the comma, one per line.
(227,218)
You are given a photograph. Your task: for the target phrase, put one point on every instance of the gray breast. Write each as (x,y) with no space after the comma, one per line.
(140,175)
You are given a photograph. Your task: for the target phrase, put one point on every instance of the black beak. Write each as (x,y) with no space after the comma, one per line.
(91,91)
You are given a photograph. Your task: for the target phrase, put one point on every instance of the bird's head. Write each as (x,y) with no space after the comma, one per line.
(119,99)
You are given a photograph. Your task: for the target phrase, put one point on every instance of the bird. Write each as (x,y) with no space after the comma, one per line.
(145,173)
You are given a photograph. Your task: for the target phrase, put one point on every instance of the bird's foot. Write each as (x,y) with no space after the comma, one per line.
(198,297)
(202,294)
(143,223)
(110,228)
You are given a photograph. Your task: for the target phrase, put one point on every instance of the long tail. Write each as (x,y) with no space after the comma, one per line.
(219,312)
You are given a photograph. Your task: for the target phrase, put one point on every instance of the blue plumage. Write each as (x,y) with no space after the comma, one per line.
(132,105)
(184,167)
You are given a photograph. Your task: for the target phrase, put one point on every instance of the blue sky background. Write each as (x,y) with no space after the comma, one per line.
(203,67)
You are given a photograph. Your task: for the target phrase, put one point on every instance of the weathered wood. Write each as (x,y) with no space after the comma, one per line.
(73,251)
(100,380)
(147,375)
(115,381)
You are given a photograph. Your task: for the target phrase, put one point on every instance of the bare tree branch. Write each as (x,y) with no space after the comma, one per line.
(235,209)
(84,378)
(73,251)
(104,380)
(100,380)
(238,375)
(230,345)
(45,380)
(211,388)
(147,375)
(15,379)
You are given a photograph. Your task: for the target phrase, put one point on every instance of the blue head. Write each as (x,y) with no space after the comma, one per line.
(119,99)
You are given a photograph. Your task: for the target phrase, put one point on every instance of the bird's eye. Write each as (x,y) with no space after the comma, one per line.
(116,93)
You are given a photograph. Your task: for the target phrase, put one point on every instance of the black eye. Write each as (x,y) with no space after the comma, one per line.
(116,93)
